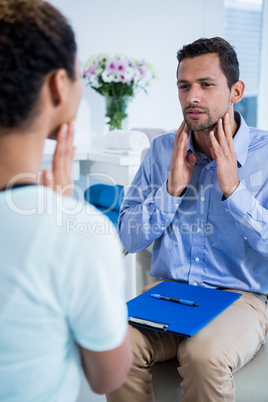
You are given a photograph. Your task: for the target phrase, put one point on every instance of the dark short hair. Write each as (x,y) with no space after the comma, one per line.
(228,58)
(35,39)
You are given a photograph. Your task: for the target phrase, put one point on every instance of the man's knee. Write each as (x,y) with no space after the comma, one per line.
(142,352)
(201,354)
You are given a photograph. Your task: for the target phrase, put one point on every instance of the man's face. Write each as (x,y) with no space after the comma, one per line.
(203,91)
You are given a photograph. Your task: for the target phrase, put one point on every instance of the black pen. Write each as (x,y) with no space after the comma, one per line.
(172,299)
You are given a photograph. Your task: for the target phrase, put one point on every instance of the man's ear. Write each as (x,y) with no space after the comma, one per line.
(237,91)
(57,85)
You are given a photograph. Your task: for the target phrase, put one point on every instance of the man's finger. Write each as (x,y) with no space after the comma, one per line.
(215,145)
(181,147)
(222,137)
(228,131)
(212,153)
(179,132)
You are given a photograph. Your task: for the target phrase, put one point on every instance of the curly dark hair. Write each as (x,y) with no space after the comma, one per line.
(228,58)
(35,39)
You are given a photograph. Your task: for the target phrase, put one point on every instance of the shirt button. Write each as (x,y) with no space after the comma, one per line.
(226,209)
(208,167)
(203,198)
(176,205)
(199,230)
(196,259)
(195,283)
(163,227)
(245,238)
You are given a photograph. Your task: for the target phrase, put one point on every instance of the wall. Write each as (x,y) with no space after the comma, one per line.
(262,101)
(153,29)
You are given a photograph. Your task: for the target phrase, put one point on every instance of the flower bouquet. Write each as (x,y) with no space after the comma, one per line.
(118,79)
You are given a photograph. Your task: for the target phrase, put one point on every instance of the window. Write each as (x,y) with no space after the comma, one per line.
(243,29)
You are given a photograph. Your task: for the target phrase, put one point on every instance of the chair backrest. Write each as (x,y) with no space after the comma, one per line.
(106,198)
(143,153)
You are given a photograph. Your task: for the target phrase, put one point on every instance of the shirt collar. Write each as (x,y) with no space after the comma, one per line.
(241,140)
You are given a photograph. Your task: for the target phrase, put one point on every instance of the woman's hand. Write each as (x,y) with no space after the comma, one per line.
(60,177)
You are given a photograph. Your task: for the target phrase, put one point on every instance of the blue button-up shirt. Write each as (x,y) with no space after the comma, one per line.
(202,238)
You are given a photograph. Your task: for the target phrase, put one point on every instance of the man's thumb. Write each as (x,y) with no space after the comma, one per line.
(192,158)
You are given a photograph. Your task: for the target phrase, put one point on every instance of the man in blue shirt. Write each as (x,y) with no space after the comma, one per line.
(202,195)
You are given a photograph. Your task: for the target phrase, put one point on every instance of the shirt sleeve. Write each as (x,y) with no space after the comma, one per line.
(95,306)
(147,209)
(251,218)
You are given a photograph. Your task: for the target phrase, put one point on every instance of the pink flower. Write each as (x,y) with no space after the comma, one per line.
(122,78)
(121,66)
(90,71)
(112,67)
(117,67)
(142,71)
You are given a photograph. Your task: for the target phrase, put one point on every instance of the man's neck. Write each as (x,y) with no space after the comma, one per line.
(201,141)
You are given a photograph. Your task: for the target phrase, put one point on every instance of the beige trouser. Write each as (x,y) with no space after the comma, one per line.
(206,361)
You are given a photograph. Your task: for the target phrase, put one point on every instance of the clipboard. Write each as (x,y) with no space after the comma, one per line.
(178,319)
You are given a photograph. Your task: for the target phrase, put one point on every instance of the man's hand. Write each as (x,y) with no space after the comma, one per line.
(224,154)
(59,178)
(181,167)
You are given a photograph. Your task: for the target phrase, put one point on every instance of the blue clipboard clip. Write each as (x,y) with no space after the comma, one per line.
(148,323)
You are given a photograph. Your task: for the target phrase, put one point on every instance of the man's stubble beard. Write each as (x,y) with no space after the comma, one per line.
(207,125)
(210,123)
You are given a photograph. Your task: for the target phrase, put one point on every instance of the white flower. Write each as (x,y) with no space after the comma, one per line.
(107,77)
(94,82)
(129,74)
(137,75)
(116,78)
